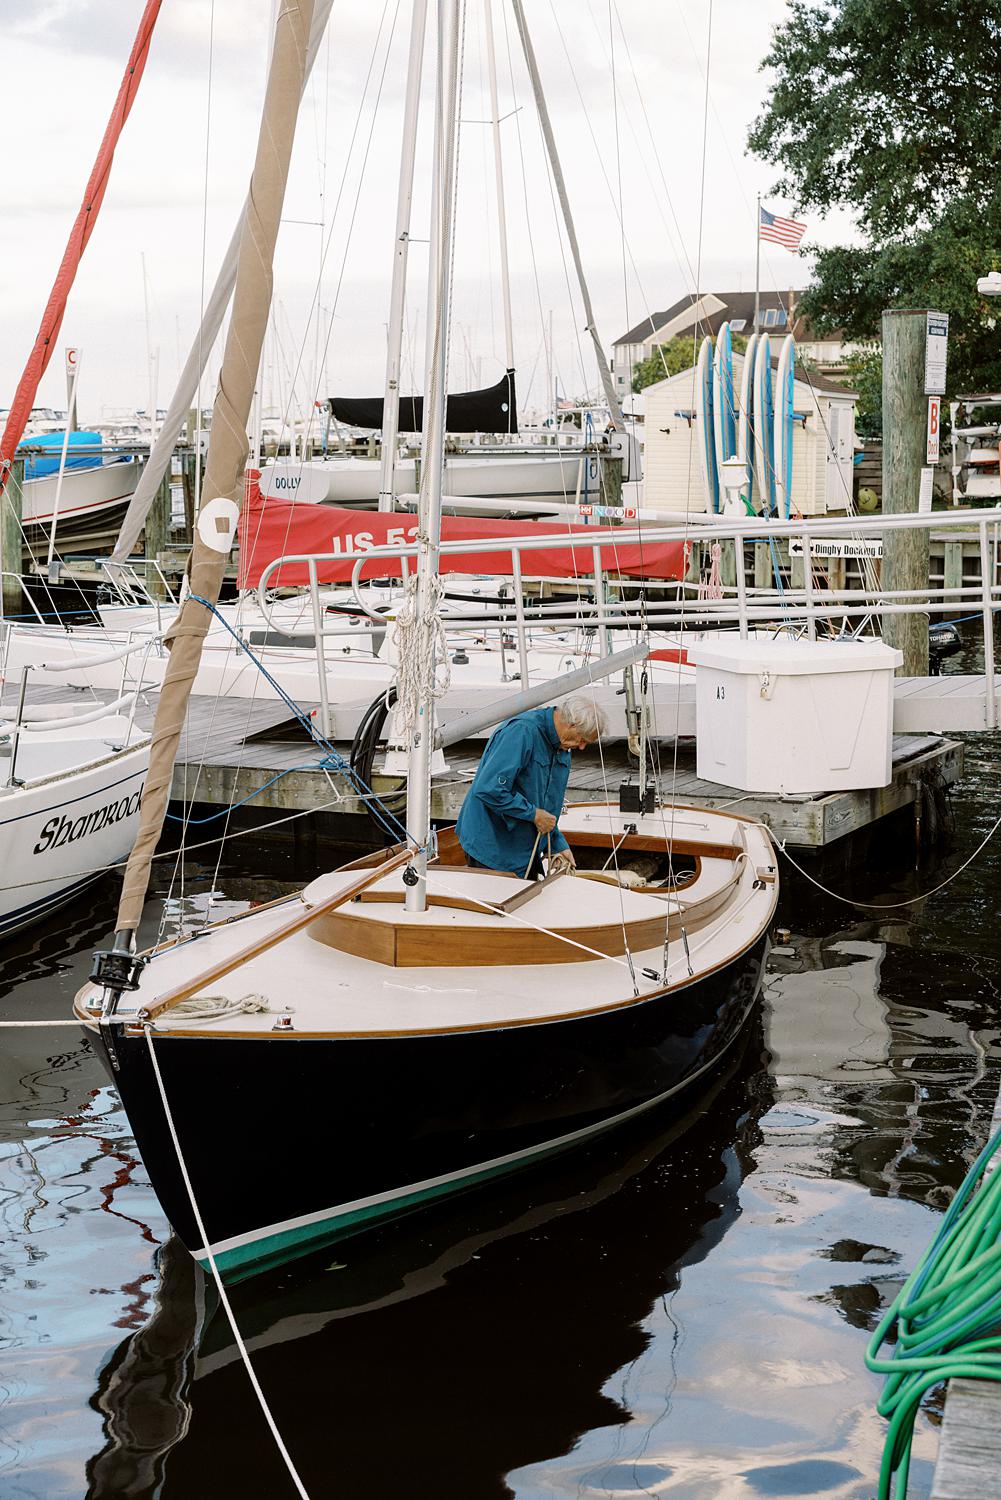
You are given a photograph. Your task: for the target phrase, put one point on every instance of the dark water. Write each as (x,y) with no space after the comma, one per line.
(680,1310)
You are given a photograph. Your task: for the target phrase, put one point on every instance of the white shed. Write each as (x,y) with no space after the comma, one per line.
(823,444)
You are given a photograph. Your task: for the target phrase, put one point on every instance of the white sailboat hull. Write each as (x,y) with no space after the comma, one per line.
(86,493)
(554,475)
(64,827)
(355,675)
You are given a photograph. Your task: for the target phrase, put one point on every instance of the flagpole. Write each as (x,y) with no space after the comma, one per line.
(757,264)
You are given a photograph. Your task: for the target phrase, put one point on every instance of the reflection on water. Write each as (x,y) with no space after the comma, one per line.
(676,1311)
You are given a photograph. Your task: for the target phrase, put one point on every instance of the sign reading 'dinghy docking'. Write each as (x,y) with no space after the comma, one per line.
(936,352)
(838,546)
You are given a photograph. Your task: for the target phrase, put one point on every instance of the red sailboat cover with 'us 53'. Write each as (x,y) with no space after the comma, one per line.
(270,529)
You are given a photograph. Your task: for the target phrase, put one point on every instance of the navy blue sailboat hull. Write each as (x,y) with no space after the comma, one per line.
(294,1141)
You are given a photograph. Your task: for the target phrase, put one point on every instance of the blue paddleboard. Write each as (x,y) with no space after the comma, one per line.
(724,405)
(784,425)
(745,419)
(764,425)
(704,422)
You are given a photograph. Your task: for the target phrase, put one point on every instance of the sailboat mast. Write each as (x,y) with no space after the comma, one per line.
(614,405)
(433,446)
(227,456)
(397,299)
(499,181)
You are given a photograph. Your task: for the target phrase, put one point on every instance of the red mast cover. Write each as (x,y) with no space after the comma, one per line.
(83,227)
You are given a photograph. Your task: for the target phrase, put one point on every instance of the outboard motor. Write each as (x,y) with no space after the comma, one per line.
(944,640)
(625,445)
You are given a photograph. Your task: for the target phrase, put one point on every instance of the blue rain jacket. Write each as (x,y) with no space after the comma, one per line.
(523,767)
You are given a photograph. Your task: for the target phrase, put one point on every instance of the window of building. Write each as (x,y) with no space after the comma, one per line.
(738,325)
(772,317)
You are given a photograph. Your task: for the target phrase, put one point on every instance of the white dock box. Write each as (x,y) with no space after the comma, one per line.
(794,715)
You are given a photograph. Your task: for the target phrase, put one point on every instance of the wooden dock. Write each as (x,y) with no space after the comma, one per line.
(969,1446)
(236,750)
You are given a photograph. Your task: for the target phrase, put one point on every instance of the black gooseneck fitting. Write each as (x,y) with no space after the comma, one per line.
(118,968)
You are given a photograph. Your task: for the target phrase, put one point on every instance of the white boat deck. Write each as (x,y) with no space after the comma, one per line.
(330,992)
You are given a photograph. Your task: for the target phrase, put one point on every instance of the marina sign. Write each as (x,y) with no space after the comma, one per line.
(836,546)
(936,352)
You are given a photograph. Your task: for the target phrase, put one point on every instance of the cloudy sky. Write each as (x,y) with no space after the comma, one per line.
(625,81)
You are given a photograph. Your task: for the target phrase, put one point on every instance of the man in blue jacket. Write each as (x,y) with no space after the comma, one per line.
(508,820)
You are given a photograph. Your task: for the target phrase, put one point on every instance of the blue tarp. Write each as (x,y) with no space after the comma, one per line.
(35,464)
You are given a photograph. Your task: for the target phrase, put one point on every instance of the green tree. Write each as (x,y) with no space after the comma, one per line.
(886,107)
(669,359)
(865,375)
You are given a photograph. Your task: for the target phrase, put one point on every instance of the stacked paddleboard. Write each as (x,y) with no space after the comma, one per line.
(752,428)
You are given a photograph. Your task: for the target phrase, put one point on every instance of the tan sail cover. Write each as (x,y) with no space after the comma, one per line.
(227,455)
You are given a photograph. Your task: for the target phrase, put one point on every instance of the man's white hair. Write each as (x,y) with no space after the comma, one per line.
(584,715)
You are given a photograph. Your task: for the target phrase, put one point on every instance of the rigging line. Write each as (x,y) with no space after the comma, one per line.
(621,208)
(683,254)
(277,343)
(868,566)
(220,1288)
(524,185)
(535,268)
(491,207)
(357,200)
(302,717)
(201,292)
(512,916)
(893,905)
(614,856)
(454,204)
(695,335)
(240,833)
(293,371)
(616,203)
(28,546)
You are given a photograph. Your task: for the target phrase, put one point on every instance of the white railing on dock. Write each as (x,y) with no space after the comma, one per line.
(785,608)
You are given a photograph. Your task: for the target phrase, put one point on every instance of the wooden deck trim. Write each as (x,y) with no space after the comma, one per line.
(650,843)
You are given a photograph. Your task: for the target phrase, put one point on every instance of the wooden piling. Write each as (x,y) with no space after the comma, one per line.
(764,577)
(610,478)
(157,535)
(188,461)
(11,541)
(905,416)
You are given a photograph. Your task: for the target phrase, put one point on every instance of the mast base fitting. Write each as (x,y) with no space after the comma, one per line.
(116,970)
(632,799)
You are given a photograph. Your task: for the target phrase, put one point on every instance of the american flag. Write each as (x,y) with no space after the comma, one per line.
(787,232)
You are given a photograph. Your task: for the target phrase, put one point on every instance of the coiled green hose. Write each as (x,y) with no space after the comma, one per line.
(947,1317)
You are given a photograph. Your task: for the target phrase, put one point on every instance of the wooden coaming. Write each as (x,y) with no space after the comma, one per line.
(501,940)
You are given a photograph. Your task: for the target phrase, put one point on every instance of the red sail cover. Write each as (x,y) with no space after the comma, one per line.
(83,228)
(274,528)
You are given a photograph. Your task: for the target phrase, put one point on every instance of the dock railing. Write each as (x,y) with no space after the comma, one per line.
(746,607)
